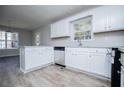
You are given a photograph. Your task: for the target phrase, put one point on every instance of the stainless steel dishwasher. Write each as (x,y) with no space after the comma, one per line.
(59,56)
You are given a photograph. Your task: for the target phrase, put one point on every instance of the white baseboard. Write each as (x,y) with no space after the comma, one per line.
(35,68)
(89,73)
(70,68)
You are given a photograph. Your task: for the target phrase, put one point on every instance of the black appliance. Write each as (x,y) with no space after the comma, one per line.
(116,68)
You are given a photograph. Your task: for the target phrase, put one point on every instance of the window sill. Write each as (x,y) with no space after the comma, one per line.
(8,48)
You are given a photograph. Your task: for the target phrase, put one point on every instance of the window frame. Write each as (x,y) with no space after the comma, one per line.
(72,23)
(3,40)
(9,40)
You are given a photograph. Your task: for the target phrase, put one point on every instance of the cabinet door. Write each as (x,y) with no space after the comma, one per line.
(32,58)
(117,17)
(60,29)
(100,19)
(108,66)
(53,30)
(97,64)
(77,60)
(70,58)
(83,61)
(35,57)
(47,55)
(64,28)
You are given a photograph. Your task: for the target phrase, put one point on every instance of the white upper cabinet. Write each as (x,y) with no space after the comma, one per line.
(116,18)
(100,19)
(104,19)
(108,18)
(60,29)
(54,30)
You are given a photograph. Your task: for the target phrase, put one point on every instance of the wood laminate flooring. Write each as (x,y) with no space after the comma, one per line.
(51,76)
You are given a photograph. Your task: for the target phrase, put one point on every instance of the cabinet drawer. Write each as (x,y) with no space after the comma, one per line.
(86,50)
(96,50)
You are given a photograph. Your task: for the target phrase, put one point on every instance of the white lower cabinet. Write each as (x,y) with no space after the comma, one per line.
(76,60)
(97,63)
(94,62)
(35,57)
(83,61)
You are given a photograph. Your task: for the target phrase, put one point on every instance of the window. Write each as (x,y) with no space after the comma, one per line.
(8,39)
(82,29)
(12,40)
(2,39)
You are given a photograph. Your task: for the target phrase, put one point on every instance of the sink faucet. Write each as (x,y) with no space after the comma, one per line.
(80,43)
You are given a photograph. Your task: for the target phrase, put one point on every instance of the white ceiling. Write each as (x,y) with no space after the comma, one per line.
(33,16)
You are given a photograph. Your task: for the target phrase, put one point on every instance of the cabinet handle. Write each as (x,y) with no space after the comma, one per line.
(118,72)
(105,27)
(119,59)
(109,27)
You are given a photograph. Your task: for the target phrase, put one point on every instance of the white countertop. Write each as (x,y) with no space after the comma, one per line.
(33,46)
(120,47)
(89,46)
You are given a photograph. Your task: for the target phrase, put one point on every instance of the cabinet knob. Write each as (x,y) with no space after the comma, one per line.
(109,27)
(118,72)
(119,59)
(105,27)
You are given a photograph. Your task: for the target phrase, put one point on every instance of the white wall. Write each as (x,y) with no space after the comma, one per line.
(111,39)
